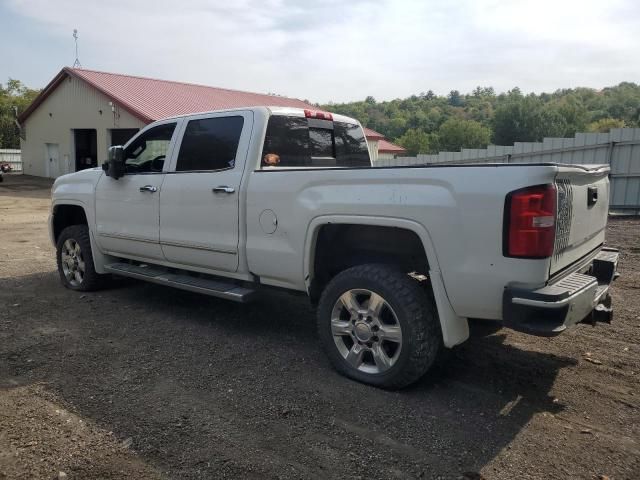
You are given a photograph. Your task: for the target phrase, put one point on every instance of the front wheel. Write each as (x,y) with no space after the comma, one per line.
(379,326)
(75,260)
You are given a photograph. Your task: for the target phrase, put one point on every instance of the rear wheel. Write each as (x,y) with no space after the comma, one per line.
(75,260)
(379,326)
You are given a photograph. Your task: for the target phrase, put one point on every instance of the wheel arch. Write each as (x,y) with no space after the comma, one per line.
(455,329)
(318,223)
(65,214)
(62,216)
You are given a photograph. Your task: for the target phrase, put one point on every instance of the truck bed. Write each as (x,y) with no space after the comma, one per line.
(457,210)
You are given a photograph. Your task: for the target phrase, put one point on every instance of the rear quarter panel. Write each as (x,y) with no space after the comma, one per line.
(457,211)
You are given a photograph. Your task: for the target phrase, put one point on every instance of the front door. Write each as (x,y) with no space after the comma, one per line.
(128,209)
(200,196)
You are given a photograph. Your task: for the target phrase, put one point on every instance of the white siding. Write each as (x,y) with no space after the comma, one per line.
(72,105)
(385,156)
(373,150)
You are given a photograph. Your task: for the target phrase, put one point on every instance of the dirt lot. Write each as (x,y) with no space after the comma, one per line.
(142,381)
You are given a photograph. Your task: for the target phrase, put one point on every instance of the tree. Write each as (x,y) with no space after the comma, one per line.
(416,141)
(573,111)
(511,116)
(455,99)
(456,134)
(604,125)
(14,99)
(514,120)
(623,102)
(480,92)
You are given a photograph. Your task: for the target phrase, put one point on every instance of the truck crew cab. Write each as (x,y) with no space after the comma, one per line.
(398,260)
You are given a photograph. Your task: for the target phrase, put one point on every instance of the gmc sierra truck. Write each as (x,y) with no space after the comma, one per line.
(398,260)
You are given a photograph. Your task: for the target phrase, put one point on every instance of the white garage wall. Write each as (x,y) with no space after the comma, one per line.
(72,105)
(373,150)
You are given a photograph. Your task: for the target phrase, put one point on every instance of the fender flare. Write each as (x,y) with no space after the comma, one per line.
(455,329)
(58,202)
(98,256)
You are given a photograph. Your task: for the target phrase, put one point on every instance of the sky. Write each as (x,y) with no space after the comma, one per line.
(331,50)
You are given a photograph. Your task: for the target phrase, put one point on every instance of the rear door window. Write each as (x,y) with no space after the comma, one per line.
(302,142)
(288,139)
(210,144)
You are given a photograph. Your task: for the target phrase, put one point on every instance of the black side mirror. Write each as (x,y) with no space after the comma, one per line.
(114,167)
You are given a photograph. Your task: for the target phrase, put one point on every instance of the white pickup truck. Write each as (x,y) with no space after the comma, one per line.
(398,260)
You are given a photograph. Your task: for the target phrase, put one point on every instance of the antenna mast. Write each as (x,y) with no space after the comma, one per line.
(76,64)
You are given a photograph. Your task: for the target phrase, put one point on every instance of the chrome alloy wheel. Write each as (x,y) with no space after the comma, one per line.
(72,262)
(366,331)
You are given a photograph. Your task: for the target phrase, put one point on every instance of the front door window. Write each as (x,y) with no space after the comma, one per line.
(147,153)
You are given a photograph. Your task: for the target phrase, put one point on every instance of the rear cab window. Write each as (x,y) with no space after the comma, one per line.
(313,142)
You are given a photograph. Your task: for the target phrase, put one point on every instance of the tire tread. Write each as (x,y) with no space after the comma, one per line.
(92,280)
(420,314)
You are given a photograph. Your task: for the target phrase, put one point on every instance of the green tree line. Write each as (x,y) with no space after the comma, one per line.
(15,97)
(428,123)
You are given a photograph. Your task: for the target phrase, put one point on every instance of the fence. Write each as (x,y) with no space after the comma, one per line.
(12,157)
(620,148)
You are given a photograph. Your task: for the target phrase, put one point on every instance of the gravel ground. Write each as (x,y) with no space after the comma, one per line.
(141,381)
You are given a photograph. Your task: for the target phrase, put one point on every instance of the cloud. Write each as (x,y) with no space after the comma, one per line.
(336,50)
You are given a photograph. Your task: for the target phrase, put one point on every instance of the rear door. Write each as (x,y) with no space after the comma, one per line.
(583,206)
(199,205)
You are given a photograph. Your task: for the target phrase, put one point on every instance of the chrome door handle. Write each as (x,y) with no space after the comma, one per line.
(149,188)
(223,189)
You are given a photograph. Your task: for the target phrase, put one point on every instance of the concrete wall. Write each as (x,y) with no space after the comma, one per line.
(72,105)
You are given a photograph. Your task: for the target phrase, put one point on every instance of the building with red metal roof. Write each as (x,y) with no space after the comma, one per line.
(385,146)
(80,113)
(150,99)
(372,134)
(380,148)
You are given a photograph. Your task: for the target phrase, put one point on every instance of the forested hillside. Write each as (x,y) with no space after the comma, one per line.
(428,123)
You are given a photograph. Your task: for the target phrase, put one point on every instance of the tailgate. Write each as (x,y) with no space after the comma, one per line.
(583,206)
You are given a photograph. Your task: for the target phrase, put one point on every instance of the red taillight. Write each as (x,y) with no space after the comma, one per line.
(317,114)
(530,222)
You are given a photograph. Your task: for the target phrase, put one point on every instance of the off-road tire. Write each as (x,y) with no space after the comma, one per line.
(91,280)
(416,313)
